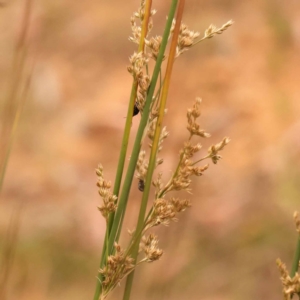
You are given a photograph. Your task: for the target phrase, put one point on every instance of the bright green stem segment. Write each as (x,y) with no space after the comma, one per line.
(295,265)
(118,178)
(124,147)
(123,152)
(154,150)
(123,199)
(137,144)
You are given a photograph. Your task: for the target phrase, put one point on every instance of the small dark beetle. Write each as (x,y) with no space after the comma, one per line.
(135,110)
(141,185)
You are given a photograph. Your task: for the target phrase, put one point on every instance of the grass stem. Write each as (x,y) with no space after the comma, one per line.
(295,265)
(154,150)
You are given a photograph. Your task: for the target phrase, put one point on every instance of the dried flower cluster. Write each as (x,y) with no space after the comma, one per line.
(187,168)
(182,178)
(138,62)
(118,266)
(291,286)
(136,69)
(154,45)
(109,200)
(137,29)
(151,131)
(165,210)
(213,30)
(213,151)
(192,115)
(149,245)
(186,39)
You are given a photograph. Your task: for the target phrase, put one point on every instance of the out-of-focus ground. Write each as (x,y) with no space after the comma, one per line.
(225,246)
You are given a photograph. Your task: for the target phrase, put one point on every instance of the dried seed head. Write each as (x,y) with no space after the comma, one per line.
(198,171)
(182,180)
(186,39)
(152,252)
(117,267)
(291,286)
(163,135)
(109,200)
(158,184)
(137,29)
(180,205)
(192,115)
(164,211)
(154,45)
(214,150)
(282,268)
(190,150)
(154,110)
(213,30)
(151,132)
(138,61)
(143,81)
(141,11)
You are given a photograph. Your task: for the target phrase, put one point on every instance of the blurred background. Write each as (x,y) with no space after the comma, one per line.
(226,245)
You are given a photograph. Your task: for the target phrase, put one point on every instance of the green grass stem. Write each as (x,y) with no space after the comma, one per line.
(295,265)
(137,144)
(154,149)
(124,147)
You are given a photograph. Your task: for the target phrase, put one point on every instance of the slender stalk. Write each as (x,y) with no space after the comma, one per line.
(201,159)
(154,150)
(296,260)
(124,146)
(137,144)
(14,129)
(10,245)
(128,123)
(11,113)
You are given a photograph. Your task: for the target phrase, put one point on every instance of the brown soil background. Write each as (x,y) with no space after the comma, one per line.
(226,245)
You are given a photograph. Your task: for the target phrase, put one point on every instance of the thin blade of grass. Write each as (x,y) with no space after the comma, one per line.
(154,149)
(10,246)
(14,105)
(124,146)
(137,144)
(296,260)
